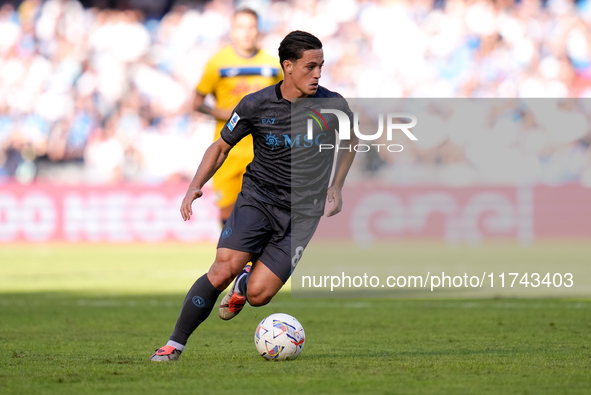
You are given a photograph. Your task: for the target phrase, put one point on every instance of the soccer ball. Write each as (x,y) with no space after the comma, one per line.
(279,337)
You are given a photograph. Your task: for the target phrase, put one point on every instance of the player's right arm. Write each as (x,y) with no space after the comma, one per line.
(238,126)
(212,160)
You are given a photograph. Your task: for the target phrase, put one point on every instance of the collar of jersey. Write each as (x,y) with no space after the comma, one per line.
(256,52)
(278,91)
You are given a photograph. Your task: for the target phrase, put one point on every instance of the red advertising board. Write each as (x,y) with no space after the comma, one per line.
(122,213)
(140,213)
(373,211)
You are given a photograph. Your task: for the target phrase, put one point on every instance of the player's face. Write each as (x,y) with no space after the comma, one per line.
(244,32)
(306,71)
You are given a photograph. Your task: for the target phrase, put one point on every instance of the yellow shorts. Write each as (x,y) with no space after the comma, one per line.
(227,181)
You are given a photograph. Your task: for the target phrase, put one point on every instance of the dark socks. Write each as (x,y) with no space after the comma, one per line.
(197,306)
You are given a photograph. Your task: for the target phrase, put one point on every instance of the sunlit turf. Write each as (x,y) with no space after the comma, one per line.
(85,319)
(113,269)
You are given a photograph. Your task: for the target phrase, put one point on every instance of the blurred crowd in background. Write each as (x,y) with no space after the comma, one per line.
(92,95)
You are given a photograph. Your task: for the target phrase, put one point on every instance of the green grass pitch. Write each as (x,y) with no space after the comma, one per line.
(85,319)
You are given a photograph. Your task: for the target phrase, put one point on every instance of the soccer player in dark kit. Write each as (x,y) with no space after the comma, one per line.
(283,192)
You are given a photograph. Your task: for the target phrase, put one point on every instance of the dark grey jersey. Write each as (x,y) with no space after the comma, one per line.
(289,169)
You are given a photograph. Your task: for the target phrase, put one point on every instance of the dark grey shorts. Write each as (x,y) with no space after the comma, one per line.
(275,236)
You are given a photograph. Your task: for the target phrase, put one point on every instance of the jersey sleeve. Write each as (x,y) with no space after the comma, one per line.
(240,123)
(210,77)
(344,107)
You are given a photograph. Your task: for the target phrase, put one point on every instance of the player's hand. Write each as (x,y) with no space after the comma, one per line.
(186,210)
(335,197)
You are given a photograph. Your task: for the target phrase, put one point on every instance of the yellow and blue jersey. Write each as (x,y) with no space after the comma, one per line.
(229,77)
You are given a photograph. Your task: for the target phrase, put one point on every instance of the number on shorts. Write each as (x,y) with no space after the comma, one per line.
(296,258)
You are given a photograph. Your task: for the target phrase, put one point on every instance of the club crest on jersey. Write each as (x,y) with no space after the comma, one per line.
(233,121)
(272,141)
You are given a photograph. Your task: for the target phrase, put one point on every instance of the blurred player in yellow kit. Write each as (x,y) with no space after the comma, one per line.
(232,73)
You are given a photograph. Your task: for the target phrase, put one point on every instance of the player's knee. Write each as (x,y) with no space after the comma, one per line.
(220,276)
(257,297)
(223,271)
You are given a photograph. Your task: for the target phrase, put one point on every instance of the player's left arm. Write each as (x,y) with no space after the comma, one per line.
(344,162)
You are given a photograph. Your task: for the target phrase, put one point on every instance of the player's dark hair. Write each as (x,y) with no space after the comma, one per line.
(295,43)
(246,10)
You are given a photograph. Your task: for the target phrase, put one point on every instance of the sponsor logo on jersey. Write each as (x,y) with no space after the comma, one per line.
(302,140)
(295,141)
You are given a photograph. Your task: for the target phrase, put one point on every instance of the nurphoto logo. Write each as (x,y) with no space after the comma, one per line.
(392,122)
